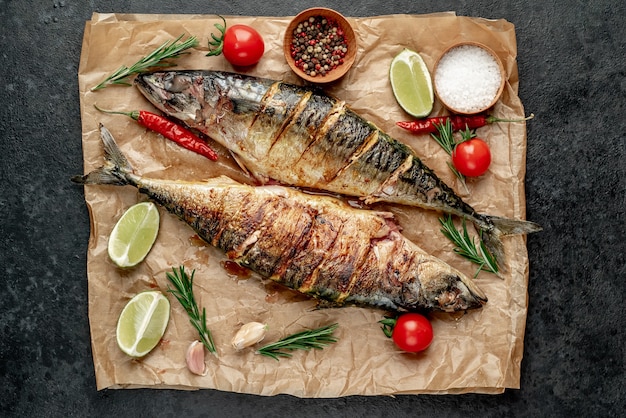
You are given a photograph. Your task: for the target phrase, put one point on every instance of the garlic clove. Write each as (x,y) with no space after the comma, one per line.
(249,334)
(195,358)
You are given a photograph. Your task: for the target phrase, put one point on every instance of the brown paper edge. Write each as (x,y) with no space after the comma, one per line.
(511,379)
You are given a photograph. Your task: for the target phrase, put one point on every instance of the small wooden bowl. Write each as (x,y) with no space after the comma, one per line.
(349,36)
(480,105)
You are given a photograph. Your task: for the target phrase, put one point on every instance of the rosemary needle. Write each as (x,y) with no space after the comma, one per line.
(444,136)
(316,338)
(170,49)
(445,139)
(183,291)
(466,247)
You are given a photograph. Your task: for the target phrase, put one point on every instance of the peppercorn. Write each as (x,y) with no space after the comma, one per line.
(318,46)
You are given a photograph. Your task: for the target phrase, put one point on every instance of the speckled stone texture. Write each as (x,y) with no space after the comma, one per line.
(572,66)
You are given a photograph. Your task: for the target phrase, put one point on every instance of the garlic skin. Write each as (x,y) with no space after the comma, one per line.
(195,358)
(249,334)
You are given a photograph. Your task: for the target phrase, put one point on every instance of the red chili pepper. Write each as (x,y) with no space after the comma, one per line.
(170,130)
(426,126)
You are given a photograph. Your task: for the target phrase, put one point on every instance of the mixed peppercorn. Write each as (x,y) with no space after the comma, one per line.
(318,46)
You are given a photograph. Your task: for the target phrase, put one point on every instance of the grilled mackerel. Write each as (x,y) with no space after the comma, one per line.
(317,245)
(302,137)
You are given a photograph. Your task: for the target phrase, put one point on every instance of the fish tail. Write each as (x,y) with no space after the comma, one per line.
(500,227)
(116,168)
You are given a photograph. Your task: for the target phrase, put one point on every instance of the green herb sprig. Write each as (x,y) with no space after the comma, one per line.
(466,247)
(305,340)
(170,49)
(183,291)
(445,139)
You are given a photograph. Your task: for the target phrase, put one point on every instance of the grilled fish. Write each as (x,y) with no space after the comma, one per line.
(317,245)
(302,137)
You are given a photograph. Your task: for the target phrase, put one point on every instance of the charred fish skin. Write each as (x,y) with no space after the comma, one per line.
(299,136)
(317,245)
(302,137)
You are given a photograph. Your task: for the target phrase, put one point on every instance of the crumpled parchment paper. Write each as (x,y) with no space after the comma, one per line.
(478,351)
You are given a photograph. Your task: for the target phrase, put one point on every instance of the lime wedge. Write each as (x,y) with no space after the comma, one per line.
(411,83)
(133,234)
(142,323)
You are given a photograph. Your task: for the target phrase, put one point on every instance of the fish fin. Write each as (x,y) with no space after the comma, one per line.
(508,226)
(102,175)
(222,180)
(240,163)
(259,178)
(116,166)
(326,304)
(503,227)
(112,152)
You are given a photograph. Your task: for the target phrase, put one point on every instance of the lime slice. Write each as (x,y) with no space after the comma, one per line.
(133,235)
(142,323)
(411,83)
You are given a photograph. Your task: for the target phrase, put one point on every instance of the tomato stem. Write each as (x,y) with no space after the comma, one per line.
(388,324)
(466,135)
(217,44)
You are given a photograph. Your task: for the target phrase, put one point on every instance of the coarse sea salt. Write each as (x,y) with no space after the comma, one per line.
(467,79)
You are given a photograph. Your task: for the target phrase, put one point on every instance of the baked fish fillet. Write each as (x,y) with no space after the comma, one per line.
(303,137)
(317,245)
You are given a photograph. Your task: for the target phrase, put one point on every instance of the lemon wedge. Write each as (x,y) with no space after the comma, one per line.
(134,234)
(411,83)
(142,323)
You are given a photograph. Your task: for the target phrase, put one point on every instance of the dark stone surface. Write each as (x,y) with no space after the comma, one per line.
(572,67)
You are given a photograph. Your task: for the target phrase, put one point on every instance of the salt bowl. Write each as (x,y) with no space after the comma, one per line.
(468,78)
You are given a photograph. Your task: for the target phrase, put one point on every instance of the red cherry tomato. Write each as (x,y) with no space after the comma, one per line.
(243,45)
(412,332)
(472,157)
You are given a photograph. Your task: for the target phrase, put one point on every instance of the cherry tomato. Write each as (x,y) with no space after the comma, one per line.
(412,332)
(472,157)
(243,45)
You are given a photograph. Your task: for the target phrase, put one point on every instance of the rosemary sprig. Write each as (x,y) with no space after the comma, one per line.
(170,49)
(445,139)
(184,293)
(466,247)
(445,136)
(305,340)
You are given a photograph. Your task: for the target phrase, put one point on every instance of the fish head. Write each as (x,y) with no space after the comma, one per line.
(221,105)
(447,289)
(176,93)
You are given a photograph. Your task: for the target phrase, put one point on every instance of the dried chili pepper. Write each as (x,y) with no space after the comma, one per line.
(170,130)
(429,125)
